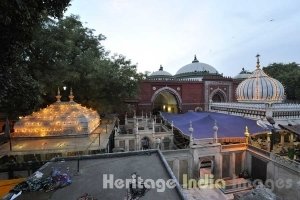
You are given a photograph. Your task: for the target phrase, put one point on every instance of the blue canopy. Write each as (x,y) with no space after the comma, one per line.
(203,122)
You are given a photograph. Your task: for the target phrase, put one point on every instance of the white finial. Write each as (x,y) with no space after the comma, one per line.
(153,126)
(191,129)
(215,128)
(71,96)
(58,96)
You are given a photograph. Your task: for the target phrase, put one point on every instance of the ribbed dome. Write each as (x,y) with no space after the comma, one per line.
(243,74)
(160,73)
(259,87)
(197,66)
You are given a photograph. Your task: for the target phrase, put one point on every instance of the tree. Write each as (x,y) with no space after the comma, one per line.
(18,20)
(65,52)
(289,76)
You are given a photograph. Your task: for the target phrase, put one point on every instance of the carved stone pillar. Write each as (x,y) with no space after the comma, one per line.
(282,134)
(269,140)
(292,137)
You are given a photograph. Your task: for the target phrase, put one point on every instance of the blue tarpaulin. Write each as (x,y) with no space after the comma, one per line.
(203,122)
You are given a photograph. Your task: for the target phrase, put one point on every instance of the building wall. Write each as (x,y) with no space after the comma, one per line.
(181,163)
(192,93)
(281,178)
(286,182)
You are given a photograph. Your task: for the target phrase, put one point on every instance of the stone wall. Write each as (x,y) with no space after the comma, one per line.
(282,175)
(181,162)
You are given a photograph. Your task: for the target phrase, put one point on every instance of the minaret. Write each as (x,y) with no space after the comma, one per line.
(58,96)
(71,96)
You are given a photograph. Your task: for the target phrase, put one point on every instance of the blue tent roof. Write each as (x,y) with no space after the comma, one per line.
(203,122)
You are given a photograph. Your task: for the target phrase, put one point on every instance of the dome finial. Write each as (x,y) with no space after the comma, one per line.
(58,96)
(195,59)
(257,62)
(71,96)
(161,68)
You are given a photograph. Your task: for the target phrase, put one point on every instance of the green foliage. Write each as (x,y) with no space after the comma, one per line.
(291,153)
(289,76)
(18,20)
(65,52)
(39,53)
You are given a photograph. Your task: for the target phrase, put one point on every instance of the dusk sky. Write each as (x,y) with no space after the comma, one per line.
(225,34)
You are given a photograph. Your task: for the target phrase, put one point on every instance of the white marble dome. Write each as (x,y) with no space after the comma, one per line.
(260,88)
(197,66)
(243,74)
(160,73)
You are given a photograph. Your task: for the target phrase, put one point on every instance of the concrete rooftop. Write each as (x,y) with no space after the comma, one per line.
(147,164)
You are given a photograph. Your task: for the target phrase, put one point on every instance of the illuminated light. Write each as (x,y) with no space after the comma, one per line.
(169,109)
(36,124)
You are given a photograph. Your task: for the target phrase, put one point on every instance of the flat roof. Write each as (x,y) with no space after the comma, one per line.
(147,164)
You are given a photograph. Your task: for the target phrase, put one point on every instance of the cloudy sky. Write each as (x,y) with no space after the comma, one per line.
(225,34)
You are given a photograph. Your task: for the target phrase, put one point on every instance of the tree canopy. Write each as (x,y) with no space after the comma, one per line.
(289,76)
(18,20)
(41,50)
(65,53)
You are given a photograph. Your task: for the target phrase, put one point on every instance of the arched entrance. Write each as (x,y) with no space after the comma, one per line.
(206,166)
(167,100)
(218,96)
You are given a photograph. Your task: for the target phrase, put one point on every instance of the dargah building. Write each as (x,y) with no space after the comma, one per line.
(191,88)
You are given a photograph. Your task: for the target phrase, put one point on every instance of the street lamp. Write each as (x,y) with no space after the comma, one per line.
(64,87)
